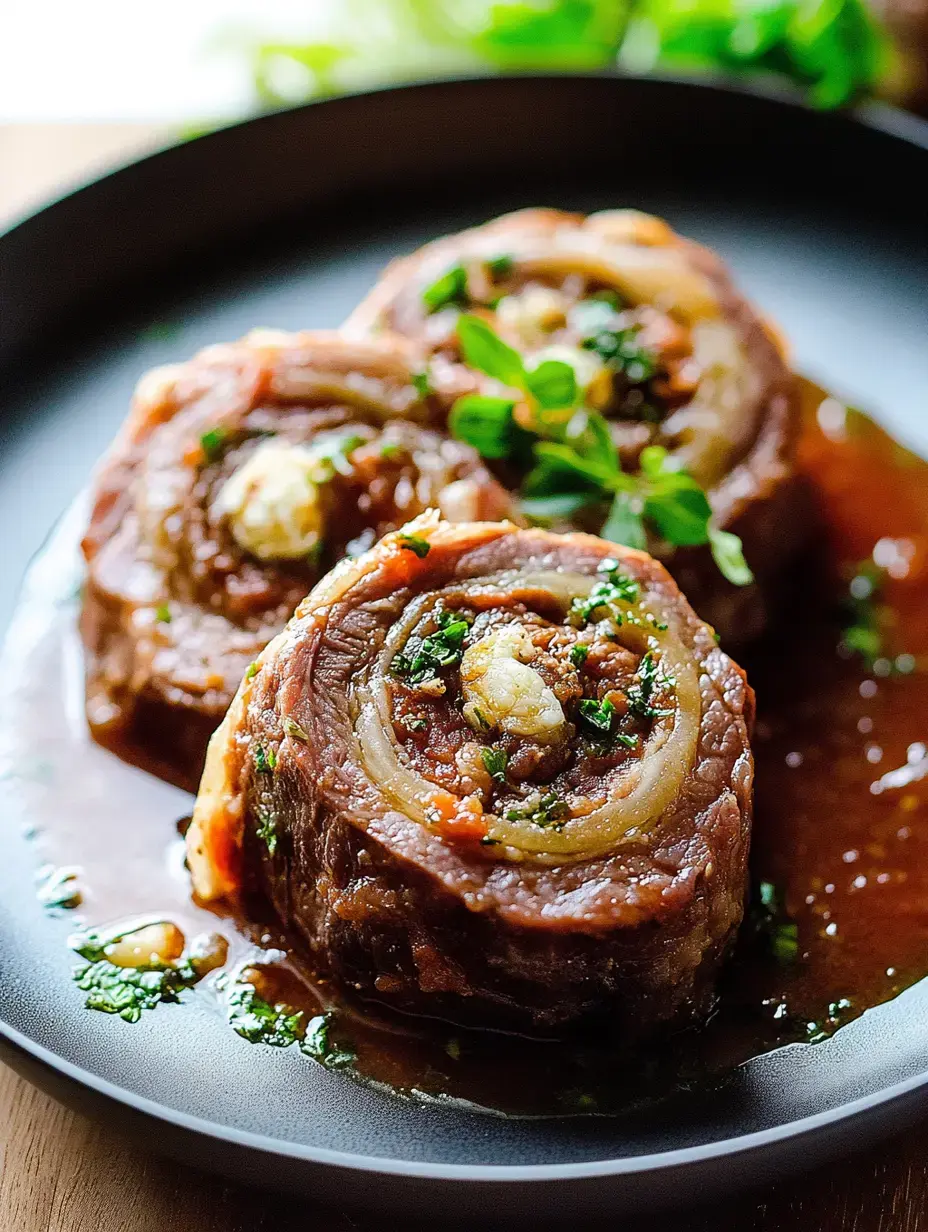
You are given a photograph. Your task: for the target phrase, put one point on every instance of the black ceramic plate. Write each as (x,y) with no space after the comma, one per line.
(285,221)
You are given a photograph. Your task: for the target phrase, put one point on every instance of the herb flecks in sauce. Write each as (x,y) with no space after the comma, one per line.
(280,1026)
(122,978)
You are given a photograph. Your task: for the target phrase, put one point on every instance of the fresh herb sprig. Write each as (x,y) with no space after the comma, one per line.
(571,460)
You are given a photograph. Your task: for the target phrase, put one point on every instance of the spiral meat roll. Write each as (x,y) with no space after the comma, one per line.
(494,775)
(238,480)
(663,347)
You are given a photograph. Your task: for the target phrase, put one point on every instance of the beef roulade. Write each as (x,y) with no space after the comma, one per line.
(498,776)
(669,361)
(239,478)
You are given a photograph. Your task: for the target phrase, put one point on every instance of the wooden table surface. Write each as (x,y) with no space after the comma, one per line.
(62,1173)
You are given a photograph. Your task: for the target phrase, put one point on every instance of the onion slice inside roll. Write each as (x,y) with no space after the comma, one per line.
(635,798)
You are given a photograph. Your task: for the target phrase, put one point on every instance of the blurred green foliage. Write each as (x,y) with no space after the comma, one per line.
(835,49)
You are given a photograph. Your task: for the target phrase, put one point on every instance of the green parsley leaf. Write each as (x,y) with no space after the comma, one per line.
(423,660)
(620,349)
(317,1043)
(421,384)
(616,587)
(485,350)
(415,543)
(679,509)
(451,288)
(265,759)
(127,991)
(784,941)
(266,828)
(485,423)
(255,1020)
(251,671)
(728,554)
(578,654)
(213,442)
(769,897)
(547,509)
(495,761)
(624,525)
(163,613)
(280,1026)
(598,715)
(640,695)
(544,811)
(499,267)
(553,384)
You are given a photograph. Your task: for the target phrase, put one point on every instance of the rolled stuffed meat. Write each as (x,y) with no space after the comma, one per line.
(663,350)
(238,480)
(498,776)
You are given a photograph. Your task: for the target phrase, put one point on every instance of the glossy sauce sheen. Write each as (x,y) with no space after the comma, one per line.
(849,859)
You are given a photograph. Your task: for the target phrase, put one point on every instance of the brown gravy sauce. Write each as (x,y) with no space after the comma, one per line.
(841,816)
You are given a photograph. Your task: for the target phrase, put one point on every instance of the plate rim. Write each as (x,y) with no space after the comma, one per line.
(875,115)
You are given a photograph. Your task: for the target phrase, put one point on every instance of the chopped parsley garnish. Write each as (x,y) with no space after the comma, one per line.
(616,587)
(598,715)
(640,694)
(495,761)
(451,288)
(163,614)
(266,828)
(389,449)
(780,933)
(259,1022)
(416,724)
(126,991)
(255,1020)
(415,543)
(251,671)
(578,654)
(423,660)
(863,613)
(316,1043)
(499,267)
(421,384)
(213,442)
(570,457)
(620,349)
(294,731)
(784,941)
(550,812)
(265,759)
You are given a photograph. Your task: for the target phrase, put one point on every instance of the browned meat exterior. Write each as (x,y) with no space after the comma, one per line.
(498,776)
(238,479)
(663,345)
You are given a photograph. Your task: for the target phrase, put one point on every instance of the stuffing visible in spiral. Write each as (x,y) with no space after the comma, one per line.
(667,355)
(238,479)
(498,776)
